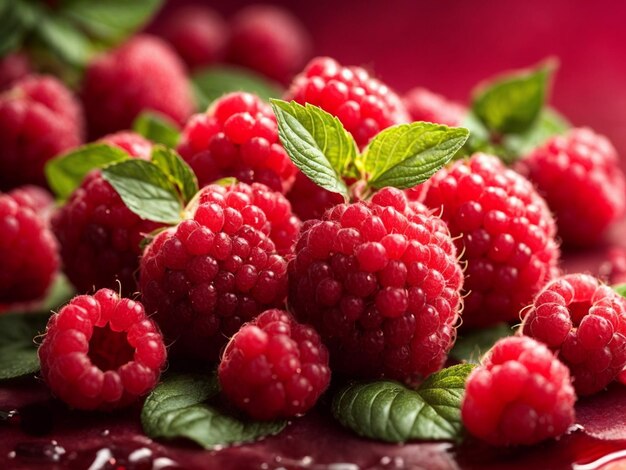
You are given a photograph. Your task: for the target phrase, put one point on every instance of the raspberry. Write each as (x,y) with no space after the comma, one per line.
(614,269)
(584,322)
(364,105)
(580,177)
(274,367)
(237,137)
(424,105)
(39,118)
(310,201)
(270,40)
(520,395)
(145,73)
(381,283)
(206,277)
(198,34)
(36,198)
(28,251)
(100,237)
(504,231)
(12,68)
(101,352)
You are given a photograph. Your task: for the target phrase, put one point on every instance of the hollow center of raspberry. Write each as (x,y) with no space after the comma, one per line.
(577,311)
(109,349)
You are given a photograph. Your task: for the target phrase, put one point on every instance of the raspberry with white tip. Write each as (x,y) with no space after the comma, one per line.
(584,322)
(274,367)
(520,395)
(101,352)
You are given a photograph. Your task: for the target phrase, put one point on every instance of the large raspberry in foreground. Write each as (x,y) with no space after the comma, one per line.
(580,177)
(504,231)
(584,322)
(274,367)
(28,251)
(424,105)
(39,119)
(101,352)
(381,283)
(237,137)
(100,237)
(143,74)
(520,395)
(206,277)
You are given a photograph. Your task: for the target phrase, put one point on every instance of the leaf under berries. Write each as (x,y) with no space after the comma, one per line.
(177,408)
(512,103)
(67,42)
(65,173)
(391,412)
(548,124)
(406,155)
(18,352)
(209,84)
(17,18)
(472,345)
(157,128)
(620,289)
(177,170)
(146,190)
(316,142)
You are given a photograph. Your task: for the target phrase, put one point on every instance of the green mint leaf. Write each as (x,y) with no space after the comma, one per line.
(391,412)
(472,345)
(620,289)
(512,103)
(548,124)
(18,352)
(64,40)
(66,173)
(406,155)
(226,181)
(146,190)
(177,171)
(176,409)
(316,142)
(17,19)
(157,128)
(209,84)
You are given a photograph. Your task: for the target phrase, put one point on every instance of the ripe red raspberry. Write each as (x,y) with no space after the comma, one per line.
(101,352)
(237,137)
(424,105)
(381,283)
(584,322)
(206,277)
(270,40)
(520,395)
(198,33)
(364,105)
(12,68)
(504,231)
(143,74)
(580,177)
(100,237)
(39,118)
(28,252)
(310,201)
(274,367)
(36,198)
(614,269)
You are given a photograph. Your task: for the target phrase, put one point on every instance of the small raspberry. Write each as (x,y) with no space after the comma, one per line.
(580,177)
(13,67)
(206,277)
(100,237)
(270,40)
(520,395)
(237,137)
(310,201)
(614,268)
(36,198)
(39,119)
(584,322)
(381,283)
(101,352)
(424,105)
(504,231)
(143,74)
(274,367)
(198,33)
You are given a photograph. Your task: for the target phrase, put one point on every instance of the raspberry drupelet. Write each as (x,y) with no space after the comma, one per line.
(581,179)
(101,352)
(274,367)
(520,395)
(504,231)
(238,137)
(584,323)
(424,105)
(381,283)
(213,272)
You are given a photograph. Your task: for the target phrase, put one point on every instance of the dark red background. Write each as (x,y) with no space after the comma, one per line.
(450,45)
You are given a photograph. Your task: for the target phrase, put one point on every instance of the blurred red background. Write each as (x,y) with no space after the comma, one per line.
(450,45)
